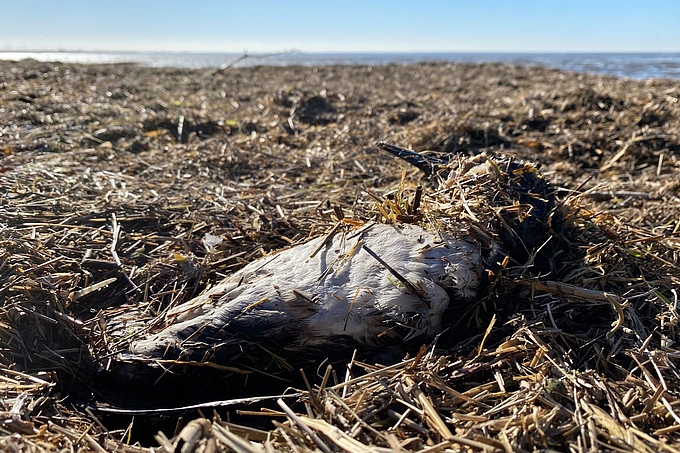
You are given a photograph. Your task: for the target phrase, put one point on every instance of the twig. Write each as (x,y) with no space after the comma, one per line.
(410,286)
(301,424)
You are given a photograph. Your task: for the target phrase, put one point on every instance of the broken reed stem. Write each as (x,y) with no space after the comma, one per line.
(328,239)
(409,286)
(301,424)
(416,200)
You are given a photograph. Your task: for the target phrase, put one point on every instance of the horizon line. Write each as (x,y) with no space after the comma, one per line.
(297,51)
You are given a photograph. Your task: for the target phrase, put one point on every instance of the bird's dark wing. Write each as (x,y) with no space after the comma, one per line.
(427,164)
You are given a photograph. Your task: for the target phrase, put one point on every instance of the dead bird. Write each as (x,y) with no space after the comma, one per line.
(362,288)
(367,288)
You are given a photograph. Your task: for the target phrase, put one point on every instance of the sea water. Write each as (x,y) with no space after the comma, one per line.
(632,65)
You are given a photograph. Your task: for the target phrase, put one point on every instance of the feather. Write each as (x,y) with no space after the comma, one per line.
(311,299)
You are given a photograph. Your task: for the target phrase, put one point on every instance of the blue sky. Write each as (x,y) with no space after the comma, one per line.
(337,26)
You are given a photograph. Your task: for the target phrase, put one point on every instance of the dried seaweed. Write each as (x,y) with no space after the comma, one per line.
(111,177)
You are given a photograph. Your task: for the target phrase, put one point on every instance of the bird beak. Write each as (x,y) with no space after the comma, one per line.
(426,164)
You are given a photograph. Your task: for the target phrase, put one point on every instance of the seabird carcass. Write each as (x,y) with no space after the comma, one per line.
(367,287)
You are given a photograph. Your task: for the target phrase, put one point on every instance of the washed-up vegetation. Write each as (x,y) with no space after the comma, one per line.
(129,188)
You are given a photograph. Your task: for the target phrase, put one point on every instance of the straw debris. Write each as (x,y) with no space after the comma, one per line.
(127,191)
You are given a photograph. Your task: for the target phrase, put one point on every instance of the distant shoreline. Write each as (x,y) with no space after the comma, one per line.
(367,52)
(634,65)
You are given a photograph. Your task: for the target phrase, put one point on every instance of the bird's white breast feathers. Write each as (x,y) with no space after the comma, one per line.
(327,288)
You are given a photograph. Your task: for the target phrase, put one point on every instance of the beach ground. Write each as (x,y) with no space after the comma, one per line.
(112,175)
